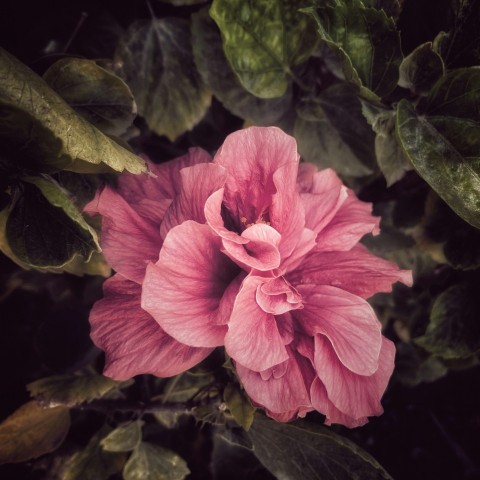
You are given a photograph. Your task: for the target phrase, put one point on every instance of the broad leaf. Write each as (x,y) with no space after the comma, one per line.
(454,329)
(421,69)
(124,438)
(45,229)
(310,452)
(332,132)
(220,79)
(390,157)
(391,7)
(263,40)
(32,431)
(95,93)
(157,63)
(79,146)
(366,42)
(151,462)
(94,463)
(72,389)
(239,405)
(445,151)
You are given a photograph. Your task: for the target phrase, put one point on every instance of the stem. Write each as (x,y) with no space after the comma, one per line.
(107,405)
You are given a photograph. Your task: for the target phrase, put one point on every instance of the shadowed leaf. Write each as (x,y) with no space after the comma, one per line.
(124,438)
(239,405)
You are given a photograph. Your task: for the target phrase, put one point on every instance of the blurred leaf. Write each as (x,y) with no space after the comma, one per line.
(45,229)
(310,452)
(445,152)
(366,42)
(151,462)
(264,40)
(32,431)
(72,389)
(454,329)
(124,438)
(79,146)
(95,93)
(391,7)
(239,405)
(94,463)
(421,69)
(390,157)
(220,79)
(332,132)
(157,63)
(183,387)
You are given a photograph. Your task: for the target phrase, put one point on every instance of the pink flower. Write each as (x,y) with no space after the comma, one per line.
(259,254)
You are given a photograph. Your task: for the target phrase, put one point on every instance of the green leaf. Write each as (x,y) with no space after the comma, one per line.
(32,431)
(446,154)
(332,132)
(157,63)
(366,43)
(79,146)
(94,463)
(391,7)
(72,389)
(263,40)
(220,79)
(95,93)
(44,228)
(310,452)
(239,405)
(420,70)
(124,438)
(454,329)
(390,157)
(151,462)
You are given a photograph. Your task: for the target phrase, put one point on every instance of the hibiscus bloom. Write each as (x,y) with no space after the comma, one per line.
(257,253)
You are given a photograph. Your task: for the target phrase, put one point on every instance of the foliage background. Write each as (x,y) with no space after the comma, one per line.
(431,424)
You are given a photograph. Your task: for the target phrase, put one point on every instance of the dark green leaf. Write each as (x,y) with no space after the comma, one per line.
(95,93)
(157,63)
(332,132)
(32,431)
(310,452)
(79,145)
(94,463)
(151,462)
(366,42)
(390,157)
(72,389)
(45,229)
(391,7)
(453,172)
(239,405)
(263,41)
(454,329)
(220,79)
(421,69)
(124,438)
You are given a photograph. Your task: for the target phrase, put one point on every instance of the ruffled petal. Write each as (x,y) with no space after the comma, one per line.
(184,290)
(197,184)
(356,396)
(128,240)
(357,271)
(353,220)
(284,396)
(133,341)
(277,296)
(251,157)
(253,338)
(347,320)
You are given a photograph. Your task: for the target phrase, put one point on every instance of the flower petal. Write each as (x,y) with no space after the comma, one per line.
(183,291)
(251,157)
(283,396)
(356,396)
(348,321)
(133,341)
(357,271)
(277,296)
(128,240)
(197,184)
(253,338)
